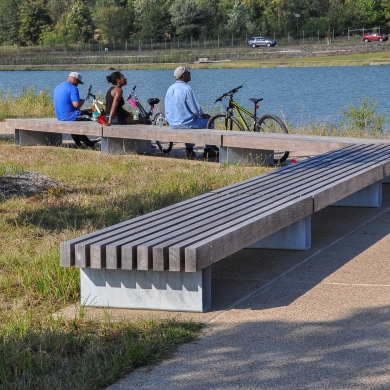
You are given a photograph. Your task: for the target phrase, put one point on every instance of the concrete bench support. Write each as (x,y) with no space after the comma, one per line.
(370,196)
(31,138)
(296,236)
(246,157)
(386,180)
(123,146)
(179,291)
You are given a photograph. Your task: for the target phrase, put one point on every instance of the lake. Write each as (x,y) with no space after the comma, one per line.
(296,94)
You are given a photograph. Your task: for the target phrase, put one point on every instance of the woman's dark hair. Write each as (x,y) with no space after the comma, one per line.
(113,77)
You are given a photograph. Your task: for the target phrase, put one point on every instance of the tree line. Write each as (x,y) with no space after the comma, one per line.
(31,22)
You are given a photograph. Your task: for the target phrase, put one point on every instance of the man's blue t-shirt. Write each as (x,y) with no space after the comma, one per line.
(64,95)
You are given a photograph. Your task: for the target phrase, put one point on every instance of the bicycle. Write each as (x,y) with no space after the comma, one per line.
(268,123)
(96,106)
(165,147)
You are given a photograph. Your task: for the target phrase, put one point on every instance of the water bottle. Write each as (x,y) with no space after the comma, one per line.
(160,121)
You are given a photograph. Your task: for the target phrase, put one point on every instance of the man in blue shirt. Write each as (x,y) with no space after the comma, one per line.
(67,104)
(183,111)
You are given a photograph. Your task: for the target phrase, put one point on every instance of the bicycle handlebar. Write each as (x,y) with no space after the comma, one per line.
(132,92)
(232,92)
(89,93)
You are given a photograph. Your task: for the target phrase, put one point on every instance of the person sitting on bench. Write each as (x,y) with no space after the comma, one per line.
(182,109)
(67,104)
(115,102)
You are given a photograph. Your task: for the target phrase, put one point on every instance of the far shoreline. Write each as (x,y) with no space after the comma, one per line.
(281,57)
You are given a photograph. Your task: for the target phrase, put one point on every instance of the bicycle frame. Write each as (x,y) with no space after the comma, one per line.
(95,102)
(238,109)
(234,107)
(133,101)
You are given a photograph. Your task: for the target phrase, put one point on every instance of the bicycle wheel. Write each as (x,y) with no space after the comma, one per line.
(165,147)
(269,123)
(220,122)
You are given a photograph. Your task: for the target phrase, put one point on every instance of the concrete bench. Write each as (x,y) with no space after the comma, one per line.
(246,148)
(155,262)
(48,131)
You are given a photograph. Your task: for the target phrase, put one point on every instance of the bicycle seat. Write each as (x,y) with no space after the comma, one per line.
(255,100)
(153,101)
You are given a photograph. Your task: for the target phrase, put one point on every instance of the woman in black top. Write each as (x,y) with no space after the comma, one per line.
(115,102)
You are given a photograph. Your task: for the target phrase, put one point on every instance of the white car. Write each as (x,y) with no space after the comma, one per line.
(261,41)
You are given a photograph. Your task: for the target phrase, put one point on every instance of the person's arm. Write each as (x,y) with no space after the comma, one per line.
(194,106)
(78,104)
(75,98)
(117,94)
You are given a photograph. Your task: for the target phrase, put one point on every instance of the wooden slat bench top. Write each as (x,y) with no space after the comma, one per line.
(242,213)
(53,125)
(165,134)
(291,142)
(229,139)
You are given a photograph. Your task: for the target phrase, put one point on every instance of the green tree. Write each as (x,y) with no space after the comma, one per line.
(9,21)
(34,21)
(114,22)
(187,17)
(78,22)
(57,8)
(238,19)
(371,12)
(156,23)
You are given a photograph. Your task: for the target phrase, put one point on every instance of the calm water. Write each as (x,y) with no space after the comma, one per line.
(297,94)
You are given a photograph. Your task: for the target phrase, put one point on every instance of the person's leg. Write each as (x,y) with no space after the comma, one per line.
(76,139)
(209,150)
(87,141)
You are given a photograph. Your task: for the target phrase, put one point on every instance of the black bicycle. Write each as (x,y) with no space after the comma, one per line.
(165,147)
(268,123)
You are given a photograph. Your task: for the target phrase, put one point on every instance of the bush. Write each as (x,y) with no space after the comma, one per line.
(364,121)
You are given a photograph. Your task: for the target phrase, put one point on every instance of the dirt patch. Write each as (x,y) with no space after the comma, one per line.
(25,184)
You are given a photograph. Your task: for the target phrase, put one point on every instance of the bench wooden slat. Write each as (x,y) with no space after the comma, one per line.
(103,245)
(136,248)
(285,171)
(291,142)
(216,247)
(53,125)
(67,248)
(165,134)
(331,193)
(146,256)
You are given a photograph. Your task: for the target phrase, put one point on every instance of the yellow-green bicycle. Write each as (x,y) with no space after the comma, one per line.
(267,123)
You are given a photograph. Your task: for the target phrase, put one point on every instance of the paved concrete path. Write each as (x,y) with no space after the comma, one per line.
(318,319)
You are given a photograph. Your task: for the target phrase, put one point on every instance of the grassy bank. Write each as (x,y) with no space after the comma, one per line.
(348,53)
(37,350)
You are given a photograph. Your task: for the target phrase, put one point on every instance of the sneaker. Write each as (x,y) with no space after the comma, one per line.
(190,152)
(209,153)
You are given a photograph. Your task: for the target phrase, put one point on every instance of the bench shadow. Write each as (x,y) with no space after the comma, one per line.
(250,271)
(55,216)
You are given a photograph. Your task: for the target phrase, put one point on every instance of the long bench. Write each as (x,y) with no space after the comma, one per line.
(245,148)
(155,262)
